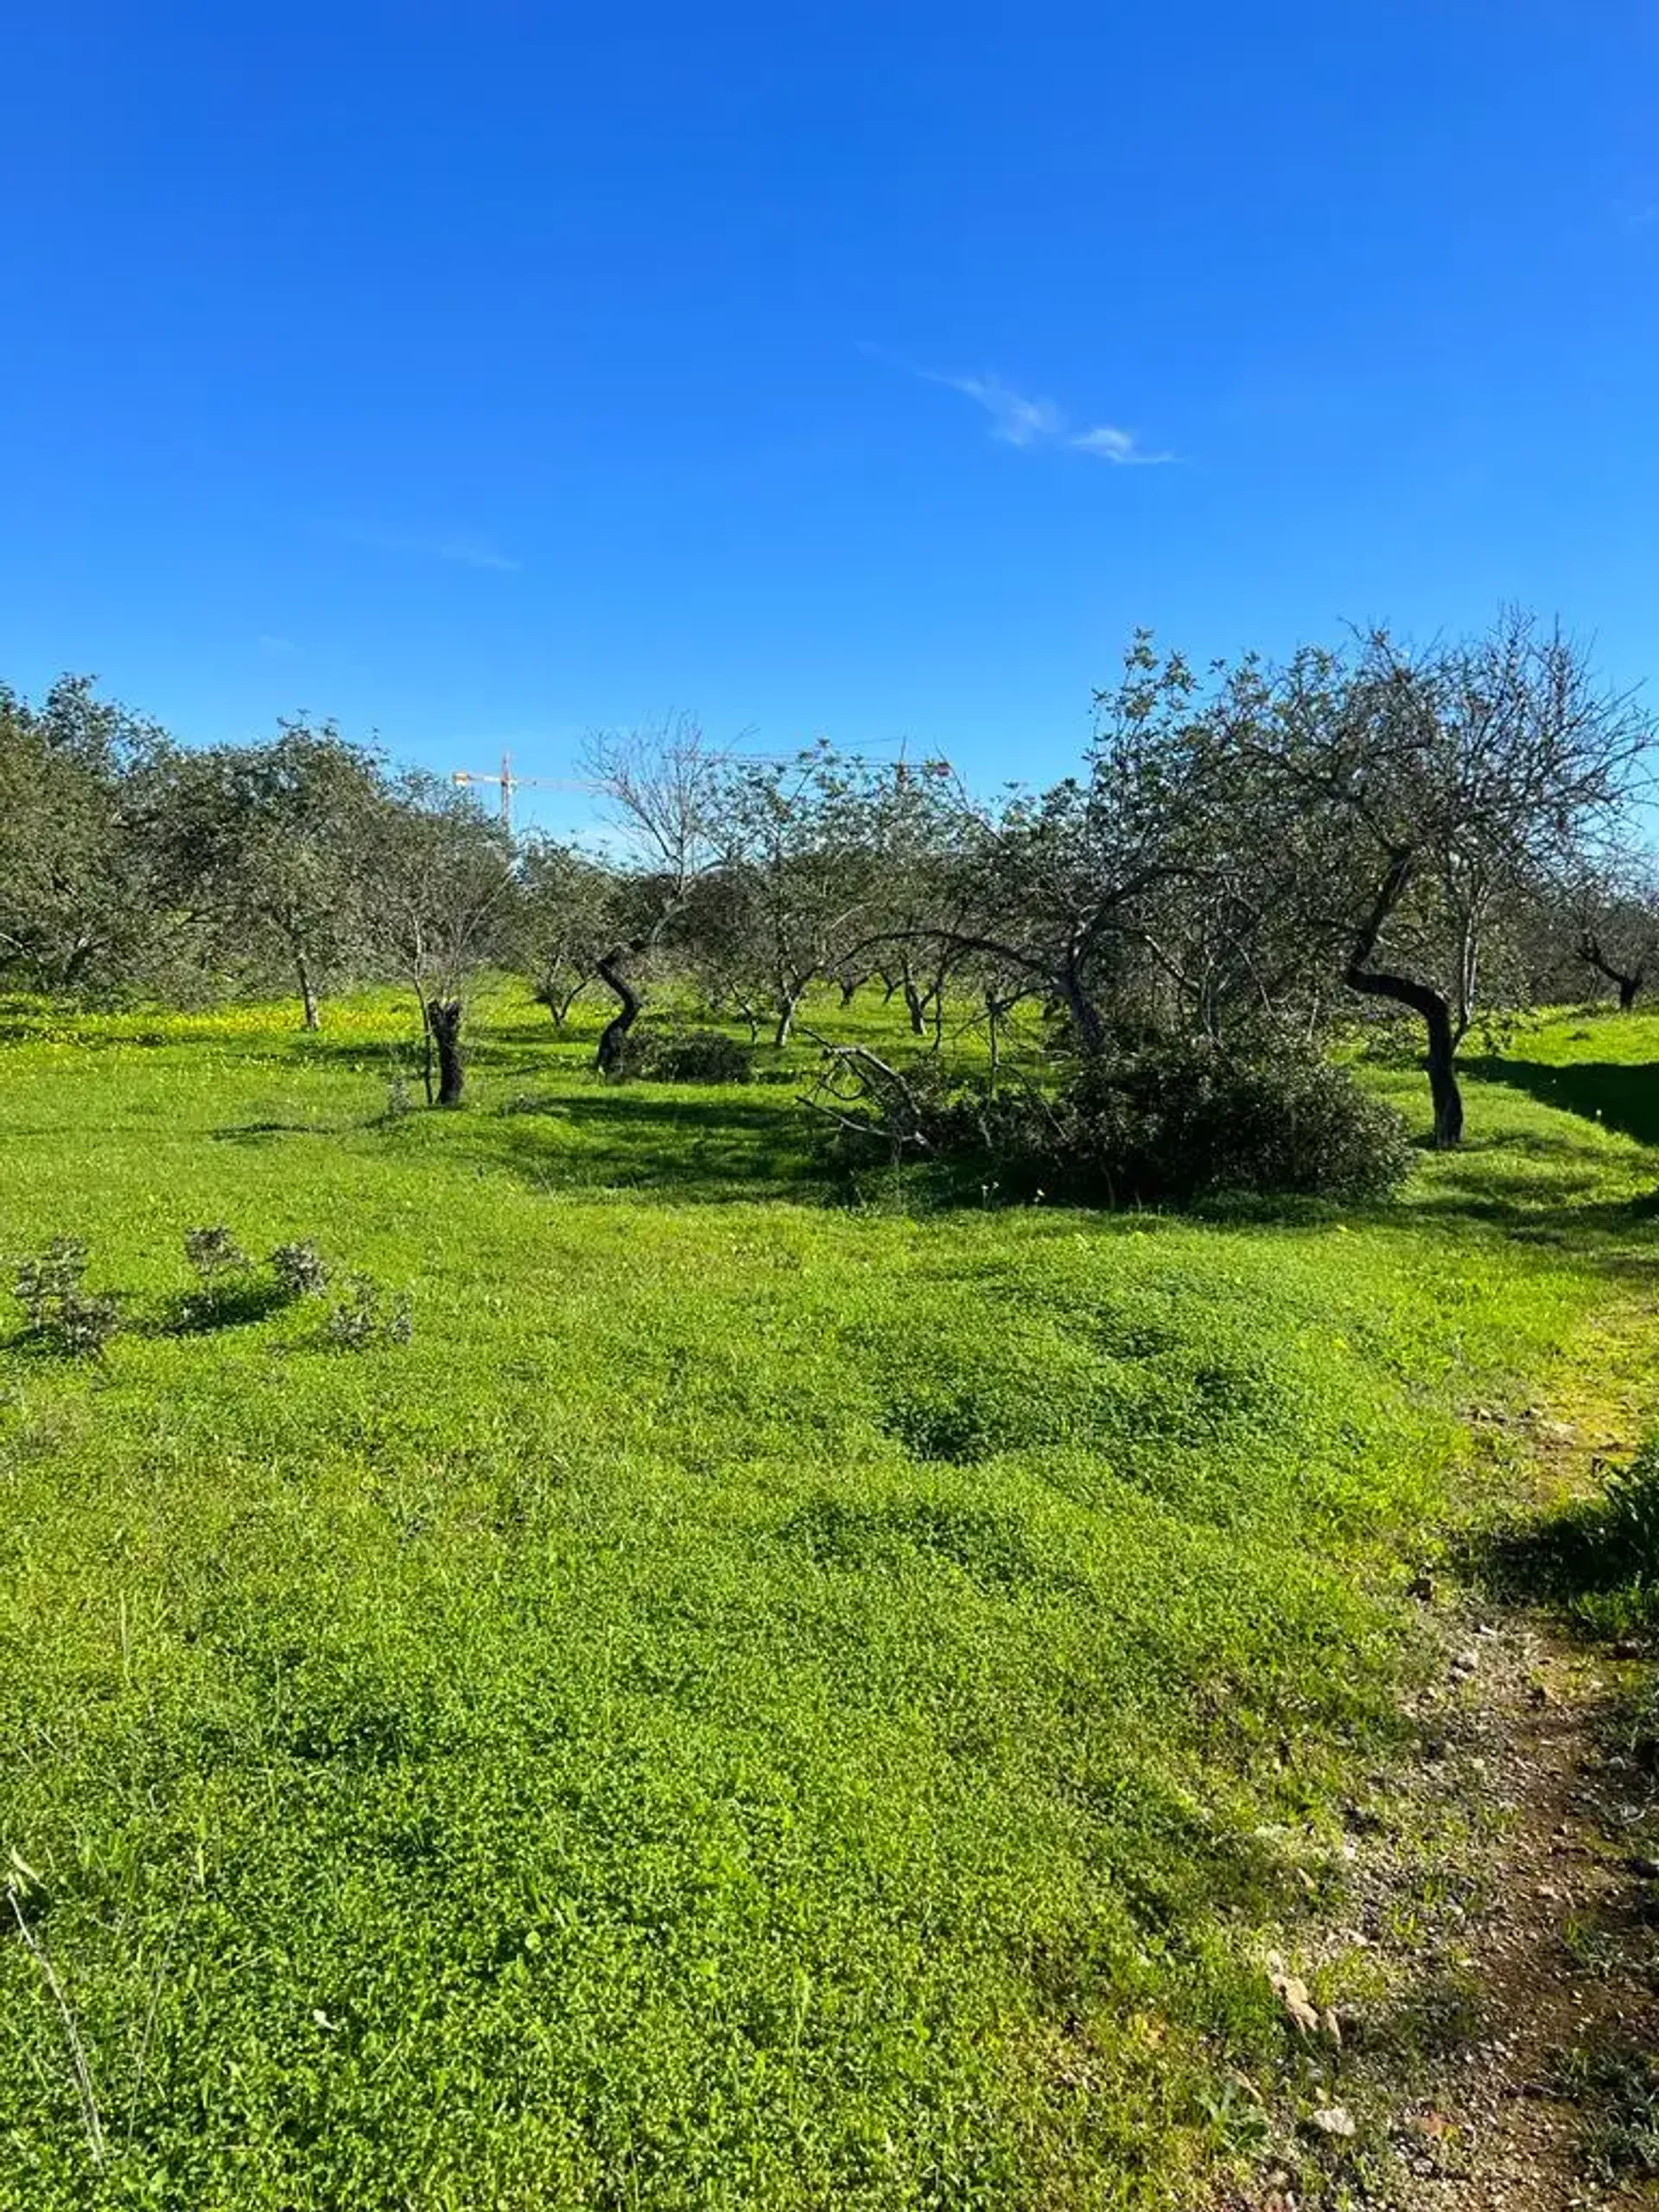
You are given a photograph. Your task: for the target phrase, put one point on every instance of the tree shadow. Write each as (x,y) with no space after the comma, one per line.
(1602,1231)
(260,1133)
(1619,1095)
(1596,1558)
(719,1149)
(229,1306)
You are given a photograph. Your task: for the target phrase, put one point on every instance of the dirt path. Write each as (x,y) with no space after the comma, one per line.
(1503,1897)
(1549,2099)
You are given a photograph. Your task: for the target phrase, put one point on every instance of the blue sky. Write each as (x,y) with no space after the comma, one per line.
(480,373)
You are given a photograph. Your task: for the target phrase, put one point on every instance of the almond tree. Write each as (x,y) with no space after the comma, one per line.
(438,883)
(1445,783)
(661,786)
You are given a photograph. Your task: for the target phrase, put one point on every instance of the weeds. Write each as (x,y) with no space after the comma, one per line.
(1619,2083)
(300,1270)
(1599,1557)
(63,1315)
(365,1314)
(22,1884)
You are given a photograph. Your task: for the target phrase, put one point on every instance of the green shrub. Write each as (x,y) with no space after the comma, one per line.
(227,1290)
(682,1056)
(1178,1120)
(1165,1122)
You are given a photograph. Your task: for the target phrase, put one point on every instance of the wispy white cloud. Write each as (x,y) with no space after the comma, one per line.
(474,553)
(463,548)
(277,648)
(1016,421)
(1033,422)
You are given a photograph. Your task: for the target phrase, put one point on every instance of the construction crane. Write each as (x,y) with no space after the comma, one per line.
(509,783)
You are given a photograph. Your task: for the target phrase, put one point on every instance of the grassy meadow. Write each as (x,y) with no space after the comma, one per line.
(773,1697)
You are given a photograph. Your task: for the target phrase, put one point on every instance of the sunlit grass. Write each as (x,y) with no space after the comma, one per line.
(766,1700)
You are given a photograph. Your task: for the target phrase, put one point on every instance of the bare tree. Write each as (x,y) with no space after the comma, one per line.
(564,922)
(662,786)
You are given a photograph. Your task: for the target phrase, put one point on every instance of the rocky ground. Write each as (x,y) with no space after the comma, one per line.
(1500,1923)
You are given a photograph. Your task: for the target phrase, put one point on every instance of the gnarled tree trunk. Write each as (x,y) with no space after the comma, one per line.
(443,1025)
(1627,982)
(614,1034)
(1432,1007)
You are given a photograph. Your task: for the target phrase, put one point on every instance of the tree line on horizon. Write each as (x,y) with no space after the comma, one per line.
(1247,854)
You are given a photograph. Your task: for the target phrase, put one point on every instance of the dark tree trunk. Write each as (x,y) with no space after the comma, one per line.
(785,1025)
(1625,981)
(1086,1024)
(614,1034)
(1430,1006)
(1442,1056)
(849,989)
(916,1007)
(1443,1088)
(307,991)
(443,1019)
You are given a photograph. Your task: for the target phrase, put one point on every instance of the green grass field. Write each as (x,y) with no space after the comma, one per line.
(766,1700)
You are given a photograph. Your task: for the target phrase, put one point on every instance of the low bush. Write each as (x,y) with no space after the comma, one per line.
(1168,1121)
(300,1270)
(228,1289)
(365,1314)
(64,1316)
(682,1056)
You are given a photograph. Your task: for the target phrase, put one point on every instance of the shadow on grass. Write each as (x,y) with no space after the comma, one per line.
(400,1051)
(233,1306)
(697,1150)
(1620,1096)
(257,1133)
(1597,1558)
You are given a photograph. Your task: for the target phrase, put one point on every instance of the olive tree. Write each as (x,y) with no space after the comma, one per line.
(1053,887)
(1614,921)
(81,906)
(564,920)
(264,843)
(801,868)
